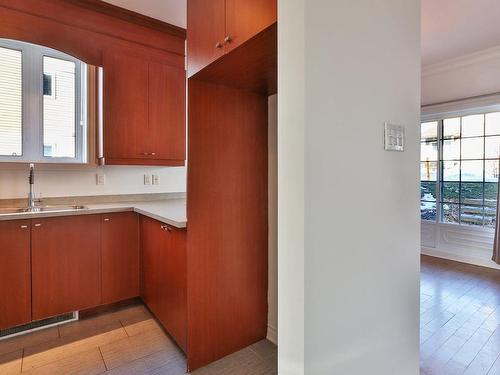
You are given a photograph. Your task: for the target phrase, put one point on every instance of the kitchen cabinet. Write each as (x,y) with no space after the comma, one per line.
(15,273)
(144,110)
(164,276)
(216,27)
(119,256)
(66,264)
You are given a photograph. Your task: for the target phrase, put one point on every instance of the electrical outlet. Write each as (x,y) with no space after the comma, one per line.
(100,179)
(156,179)
(147,179)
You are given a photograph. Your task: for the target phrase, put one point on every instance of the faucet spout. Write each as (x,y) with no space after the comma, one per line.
(31,194)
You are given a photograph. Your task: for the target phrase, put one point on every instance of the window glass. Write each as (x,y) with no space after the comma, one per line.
(468,151)
(472,126)
(492,123)
(428,131)
(43,113)
(59,109)
(429,151)
(11,102)
(451,127)
(428,171)
(451,149)
(472,148)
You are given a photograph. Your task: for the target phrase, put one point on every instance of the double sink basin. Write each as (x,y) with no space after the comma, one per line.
(14,210)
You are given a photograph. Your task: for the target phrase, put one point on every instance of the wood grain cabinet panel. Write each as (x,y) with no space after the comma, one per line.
(247,18)
(205,34)
(125,106)
(167,111)
(15,273)
(66,264)
(119,256)
(164,276)
(216,27)
(144,111)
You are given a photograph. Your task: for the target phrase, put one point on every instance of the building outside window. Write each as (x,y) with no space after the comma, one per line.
(459,169)
(42,105)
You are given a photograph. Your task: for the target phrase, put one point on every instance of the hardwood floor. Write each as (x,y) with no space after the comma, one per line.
(126,341)
(459,319)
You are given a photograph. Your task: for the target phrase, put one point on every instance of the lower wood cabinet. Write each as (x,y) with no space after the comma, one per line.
(66,264)
(15,273)
(120,256)
(164,276)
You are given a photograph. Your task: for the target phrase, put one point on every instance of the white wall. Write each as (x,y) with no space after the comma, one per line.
(272,318)
(360,249)
(468,76)
(78,181)
(291,161)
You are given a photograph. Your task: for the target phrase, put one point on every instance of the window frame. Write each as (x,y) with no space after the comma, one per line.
(32,105)
(439,117)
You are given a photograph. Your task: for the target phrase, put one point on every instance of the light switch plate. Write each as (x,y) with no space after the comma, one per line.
(394,137)
(147,179)
(100,179)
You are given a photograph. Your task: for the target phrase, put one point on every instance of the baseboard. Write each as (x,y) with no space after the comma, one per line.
(272,334)
(459,258)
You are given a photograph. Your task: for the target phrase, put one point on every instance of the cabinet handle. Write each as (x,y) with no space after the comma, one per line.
(153,154)
(228,39)
(218,45)
(148,153)
(165,227)
(24,226)
(106,219)
(38,225)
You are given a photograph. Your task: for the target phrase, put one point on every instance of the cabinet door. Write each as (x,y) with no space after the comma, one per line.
(164,276)
(176,286)
(247,18)
(119,256)
(66,263)
(153,265)
(15,279)
(125,106)
(167,111)
(205,33)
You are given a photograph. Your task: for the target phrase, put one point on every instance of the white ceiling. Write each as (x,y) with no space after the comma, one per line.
(170,11)
(453,28)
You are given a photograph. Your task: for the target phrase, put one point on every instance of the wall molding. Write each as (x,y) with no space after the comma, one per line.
(462,61)
(272,334)
(438,253)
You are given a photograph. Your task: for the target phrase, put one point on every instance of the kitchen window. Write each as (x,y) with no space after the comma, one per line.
(42,105)
(459,169)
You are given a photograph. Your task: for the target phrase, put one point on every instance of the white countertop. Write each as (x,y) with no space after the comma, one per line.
(168,211)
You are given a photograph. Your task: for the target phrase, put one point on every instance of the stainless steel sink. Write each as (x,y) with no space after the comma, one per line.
(9,210)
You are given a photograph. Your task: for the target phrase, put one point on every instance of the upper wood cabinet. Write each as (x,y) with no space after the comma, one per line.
(15,273)
(66,264)
(144,111)
(119,256)
(216,27)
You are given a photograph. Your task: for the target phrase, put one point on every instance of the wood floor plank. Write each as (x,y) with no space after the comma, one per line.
(28,340)
(69,346)
(85,363)
(10,363)
(123,351)
(460,315)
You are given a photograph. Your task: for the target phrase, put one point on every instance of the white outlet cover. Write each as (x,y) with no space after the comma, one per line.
(147,179)
(156,179)
(394,137)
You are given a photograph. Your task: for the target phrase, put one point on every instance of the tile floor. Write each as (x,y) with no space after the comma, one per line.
(127,341)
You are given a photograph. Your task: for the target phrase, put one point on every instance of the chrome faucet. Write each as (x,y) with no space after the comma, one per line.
(31,194)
